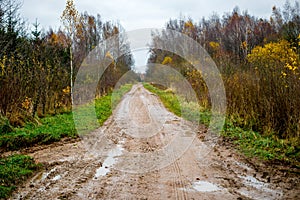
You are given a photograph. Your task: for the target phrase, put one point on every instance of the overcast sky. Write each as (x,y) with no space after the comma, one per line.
(135,14)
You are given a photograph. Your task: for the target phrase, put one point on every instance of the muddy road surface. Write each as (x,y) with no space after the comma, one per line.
(145,152)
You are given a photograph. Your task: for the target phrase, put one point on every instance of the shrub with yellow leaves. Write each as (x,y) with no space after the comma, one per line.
(276,68)
(279,56)
(108,55)
(66,90)
(214,45)
(27,104)
(167,60)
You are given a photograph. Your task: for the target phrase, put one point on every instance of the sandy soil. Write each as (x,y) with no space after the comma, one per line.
(145,152)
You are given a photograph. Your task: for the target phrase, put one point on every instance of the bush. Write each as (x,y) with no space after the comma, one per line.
(5,126)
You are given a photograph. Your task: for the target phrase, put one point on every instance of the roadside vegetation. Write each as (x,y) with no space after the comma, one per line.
(259,62)
(48,130)
(38,67)
(13,171)
(36,78)
(37,72)
(53,128)
(251,143)
(177,104)
(16,168)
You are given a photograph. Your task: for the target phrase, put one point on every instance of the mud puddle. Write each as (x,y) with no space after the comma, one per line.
(109,161)
(74,171)
(46,174)
(256,189)
(56,178)
(204,186)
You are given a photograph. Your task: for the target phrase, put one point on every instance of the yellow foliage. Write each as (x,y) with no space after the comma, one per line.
(167,60)
(67,90)
(244,45)
(188,25)
(2,64)
(26,104)
(54,38)
(214,45)
(283,74)
(108,55)
(71,19)
(275,55)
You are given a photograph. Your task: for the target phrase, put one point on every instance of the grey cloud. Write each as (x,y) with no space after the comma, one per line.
(138,14)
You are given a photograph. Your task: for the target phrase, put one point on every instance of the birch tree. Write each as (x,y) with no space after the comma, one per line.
(71,21)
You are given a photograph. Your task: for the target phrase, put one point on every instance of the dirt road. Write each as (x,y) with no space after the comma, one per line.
(145,152)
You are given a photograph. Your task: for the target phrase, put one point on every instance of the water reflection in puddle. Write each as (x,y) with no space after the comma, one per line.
(109,161)
(46,174)
(251,181)
(56,178)
(204,186)
(243,165)
(260,190)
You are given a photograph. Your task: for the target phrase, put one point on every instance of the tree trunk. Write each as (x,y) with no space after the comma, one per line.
(71,75)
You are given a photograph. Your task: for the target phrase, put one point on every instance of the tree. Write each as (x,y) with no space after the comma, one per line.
(11,26)
(36,33)
(291,27)
(70,19)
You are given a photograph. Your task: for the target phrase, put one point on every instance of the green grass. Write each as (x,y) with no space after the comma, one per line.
(87,120)
(54,128)
(13,170)
(16,168)
(250,143)
(167,97)
(50,129)
(253,144)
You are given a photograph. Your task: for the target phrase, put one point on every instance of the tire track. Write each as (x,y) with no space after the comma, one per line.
(180,188)
(173,177)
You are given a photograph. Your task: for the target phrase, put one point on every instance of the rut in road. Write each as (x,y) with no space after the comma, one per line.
(145,152)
